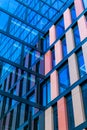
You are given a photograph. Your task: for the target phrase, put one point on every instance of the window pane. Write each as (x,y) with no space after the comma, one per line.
(45,42)
(81,64)
(45,93)
(64,47)
(64,81)
(73,13)
(85,3)
(76,35)
(70,112)
(53,57)
(60,27)
(48,92)
(55,117)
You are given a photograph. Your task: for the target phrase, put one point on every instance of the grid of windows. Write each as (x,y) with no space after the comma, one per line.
(24,56)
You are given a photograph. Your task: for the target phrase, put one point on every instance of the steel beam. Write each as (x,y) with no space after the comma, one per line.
(19,40)
(21,100)
(14,16)
(21,67)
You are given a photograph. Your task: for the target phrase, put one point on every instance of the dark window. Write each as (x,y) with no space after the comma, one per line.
(45,93)
(55,117)
(45,42)
(76,35)
(60,27)
(63,78)
(38,67)
(36,124)
(32,99)
(64,47)
(70,112)
(86,16)
(84,95)
(81,65)
(11,118)
(73,13)
(53,57)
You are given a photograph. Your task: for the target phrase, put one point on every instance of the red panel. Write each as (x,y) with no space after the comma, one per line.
(62,115)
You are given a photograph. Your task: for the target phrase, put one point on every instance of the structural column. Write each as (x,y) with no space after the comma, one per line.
(54,85)
(82,24)
(62,114)
(48,62)
(58,52)
(52,34)
(49,119)
(78,7)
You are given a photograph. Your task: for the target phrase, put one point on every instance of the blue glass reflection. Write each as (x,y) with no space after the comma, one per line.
(70,112)
(85,3)
(60,27)
(64,47)
(3,21)
(63,75)
(73,13)
(45,93)
(76,35)
(81,64)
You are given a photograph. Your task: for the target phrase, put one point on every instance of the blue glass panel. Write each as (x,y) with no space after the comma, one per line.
(60,27)
(81,64)
(48,91)
(32,98)
(85,3)
(63,75)
(46,42)
(55,117)
(70,112)
(76,35)
(3,21)
(44,95)
(73,13)
(53,57)
(64,47)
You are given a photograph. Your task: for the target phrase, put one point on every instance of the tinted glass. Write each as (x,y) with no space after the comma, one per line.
(73,13)
(70,112)
(55,117)
(81,65)
(60,27)
(76,35)
(64,81)
(64,47)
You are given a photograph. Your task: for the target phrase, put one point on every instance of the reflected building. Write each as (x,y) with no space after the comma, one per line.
(43,64)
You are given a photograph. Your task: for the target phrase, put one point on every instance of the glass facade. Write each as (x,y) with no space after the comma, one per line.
(43,71)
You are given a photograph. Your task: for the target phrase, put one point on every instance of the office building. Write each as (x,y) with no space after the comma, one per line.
(43,64)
